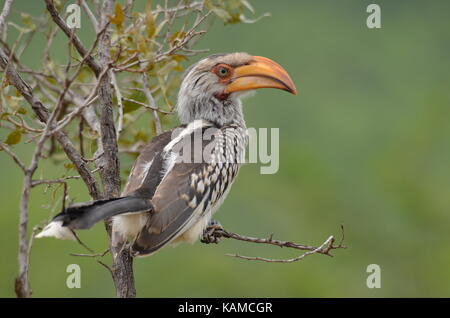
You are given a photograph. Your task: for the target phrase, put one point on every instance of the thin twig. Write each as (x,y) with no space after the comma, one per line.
(43,114)
(147,106)
(96,68)
(4,14)
(119,104)
(106,266)
(14,156)
(81,242)
(151,101)
(91,255)
(91,15)
(325,248)
(35,183)
(325,245)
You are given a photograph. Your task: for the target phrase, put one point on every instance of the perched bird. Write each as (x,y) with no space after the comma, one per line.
(183,175)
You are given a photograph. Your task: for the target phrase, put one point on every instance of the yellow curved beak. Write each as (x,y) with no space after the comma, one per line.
(261,72)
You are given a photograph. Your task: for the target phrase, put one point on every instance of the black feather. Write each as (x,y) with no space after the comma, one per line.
(85,216)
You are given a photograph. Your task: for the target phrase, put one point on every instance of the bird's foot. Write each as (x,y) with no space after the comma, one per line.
(211,233)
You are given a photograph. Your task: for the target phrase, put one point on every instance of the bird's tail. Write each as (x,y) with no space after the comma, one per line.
(86,215)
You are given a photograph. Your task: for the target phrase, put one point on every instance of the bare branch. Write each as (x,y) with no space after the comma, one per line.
(107,267)
(187,37)
(43,114)
(22,282)
(110,162)
(325,245)
(91,255)
(23,124)
(81,242)
(179,45)
(147,106)
(91,15)
(151,101)
(22,286)
(88,102)
(14,156)
(4,14)
(35,183)
(96,68)
(119,104)
(214,234)
(122,267)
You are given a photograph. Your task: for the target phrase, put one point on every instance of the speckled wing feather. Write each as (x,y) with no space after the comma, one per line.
(146,175)
(172,210)
(186,193)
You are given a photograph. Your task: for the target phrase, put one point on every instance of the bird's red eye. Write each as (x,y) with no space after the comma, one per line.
(221,70)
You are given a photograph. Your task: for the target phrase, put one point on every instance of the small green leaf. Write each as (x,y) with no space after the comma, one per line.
(13,102)
(149,21)
(140,136)
(118,17)
(221,13)
(177,36)
(22,110)
(4,115)
(69,166)
(28,20)
(129,107)
(5,81)
(14,137)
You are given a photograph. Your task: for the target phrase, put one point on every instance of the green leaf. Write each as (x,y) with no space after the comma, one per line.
(140,136)
(13,102)
(22,110)
(5,81)
(177,36)
(149,20)
(69,166)
(28,20)
(221,13)
(118,17)
(232,5)
(4,115)
(14,137)
(129,107)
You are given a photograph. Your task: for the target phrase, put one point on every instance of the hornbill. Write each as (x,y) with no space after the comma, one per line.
(172,192)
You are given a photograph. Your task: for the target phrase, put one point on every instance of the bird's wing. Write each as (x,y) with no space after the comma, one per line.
(182,197)
(146,171)
(174,209)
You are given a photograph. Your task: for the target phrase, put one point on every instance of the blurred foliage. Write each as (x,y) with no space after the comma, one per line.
(366,144)
(155,38)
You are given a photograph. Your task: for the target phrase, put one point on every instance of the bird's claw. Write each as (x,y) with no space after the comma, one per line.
(211,233)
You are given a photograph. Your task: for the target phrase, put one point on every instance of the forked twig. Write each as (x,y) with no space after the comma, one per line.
(325,248)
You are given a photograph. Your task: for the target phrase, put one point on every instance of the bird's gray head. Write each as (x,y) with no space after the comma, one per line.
(211,88)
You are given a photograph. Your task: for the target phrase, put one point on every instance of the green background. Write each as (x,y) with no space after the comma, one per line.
(366,143)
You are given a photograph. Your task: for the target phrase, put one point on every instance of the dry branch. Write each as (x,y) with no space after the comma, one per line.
(14,156)
(4,14)
(43,114)
(214,234)
(96,68)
